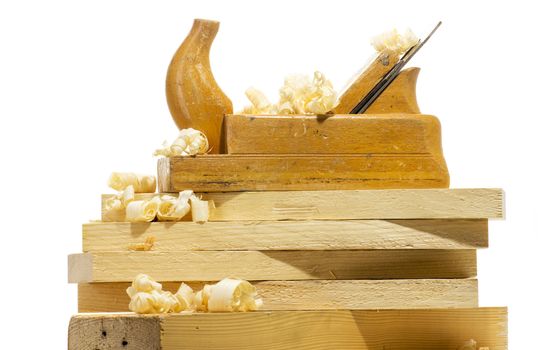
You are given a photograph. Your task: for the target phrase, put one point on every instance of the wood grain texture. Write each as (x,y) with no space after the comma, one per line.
(312,330)
(350,205)
(321,330)
(314,295)
(107,332)
(288,235)
(194,98)
(274,265)
(338,134)
(365,80)
(399,96)
(228,172)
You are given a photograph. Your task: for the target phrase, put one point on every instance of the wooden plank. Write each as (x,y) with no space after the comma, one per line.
(279,330)
(350,205)
(228,172)
(288,235)
(314,295)
(339,134)
(274,265)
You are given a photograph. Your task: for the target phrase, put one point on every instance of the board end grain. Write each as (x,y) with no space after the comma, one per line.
(114,331)
(163,174)
(79,268)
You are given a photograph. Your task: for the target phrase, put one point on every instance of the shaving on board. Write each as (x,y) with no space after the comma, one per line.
(140,183)
(228,295)
(394,41)
(299,95)
(200,209)
(174,208)
(190,142)
(147,245)
(121,199)
(142,210)
(231,295)
(147,297)
(159,207)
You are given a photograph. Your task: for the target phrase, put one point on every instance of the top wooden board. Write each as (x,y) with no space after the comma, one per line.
(348,205)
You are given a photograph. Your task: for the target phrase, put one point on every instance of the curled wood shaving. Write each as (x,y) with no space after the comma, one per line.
(147,297)
(298,95)
(140,183)
(147,245)
(190,142)
(160,207)
(228,295)
(200,209)
(174,208)
(143,210)
(121,199)
(394,41)
(231,295)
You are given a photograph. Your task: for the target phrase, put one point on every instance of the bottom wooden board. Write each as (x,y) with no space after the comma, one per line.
(430,329)
(314,295)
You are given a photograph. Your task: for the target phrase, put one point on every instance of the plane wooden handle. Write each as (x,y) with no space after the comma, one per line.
(194,98)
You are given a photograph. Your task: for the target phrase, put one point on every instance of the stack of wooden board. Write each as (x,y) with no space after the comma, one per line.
(338,269)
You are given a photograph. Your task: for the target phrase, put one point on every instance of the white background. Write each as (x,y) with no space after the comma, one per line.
(82,94)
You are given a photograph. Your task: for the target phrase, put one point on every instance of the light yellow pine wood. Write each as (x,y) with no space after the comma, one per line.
(279,330)
(344,205)
(79,265)
(114,331)
(288,235)
(314,295)
(273,265)
(396,134)
(296,172)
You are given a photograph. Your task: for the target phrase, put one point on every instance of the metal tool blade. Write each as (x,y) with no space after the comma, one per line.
(388,78)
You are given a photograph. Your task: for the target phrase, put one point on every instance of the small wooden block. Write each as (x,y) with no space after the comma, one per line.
(314,295)
(288,235)
(279,330)
(272,265)
(389,134)
(349,205)
(278,172)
